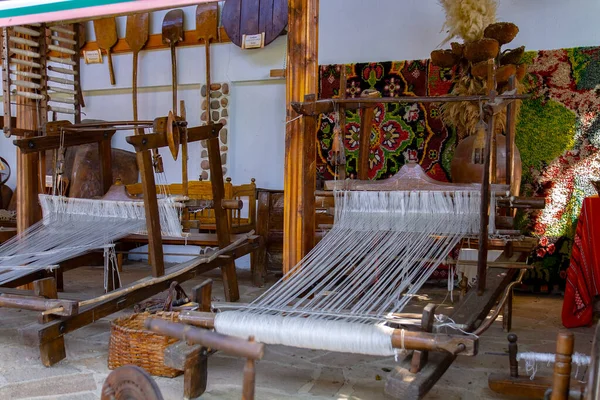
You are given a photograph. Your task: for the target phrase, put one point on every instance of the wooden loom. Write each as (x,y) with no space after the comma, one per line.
(418,373)
(60,316)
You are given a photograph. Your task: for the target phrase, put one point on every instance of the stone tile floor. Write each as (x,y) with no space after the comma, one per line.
(283,373)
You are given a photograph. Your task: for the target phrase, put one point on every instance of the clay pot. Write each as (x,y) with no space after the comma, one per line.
(481,50)
(465,169)
(503,32)
(512,56)
(444,58)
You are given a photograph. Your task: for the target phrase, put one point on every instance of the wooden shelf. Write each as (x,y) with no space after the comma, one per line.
(190,38)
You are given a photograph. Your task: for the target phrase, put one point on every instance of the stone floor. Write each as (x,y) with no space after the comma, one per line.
(283,372)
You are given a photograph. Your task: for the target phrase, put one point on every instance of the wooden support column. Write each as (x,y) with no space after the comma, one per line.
(300,139)
(228,272)
(155,249)
(105,154)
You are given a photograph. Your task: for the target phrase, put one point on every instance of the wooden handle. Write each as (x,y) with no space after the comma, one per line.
(174,76)
(227,344)
(110,67)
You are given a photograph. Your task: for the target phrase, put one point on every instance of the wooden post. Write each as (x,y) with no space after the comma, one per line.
(364,143)
(562,366)
(489,177)
(155,249)
(342,120)
(512,355)
(248,385)
(300,141)
(419,358)
(105,154)
(222,224)
(202,295)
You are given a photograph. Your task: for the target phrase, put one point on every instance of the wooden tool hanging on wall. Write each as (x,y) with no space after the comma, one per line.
(172,32)
(106,38)
(254,23)
(23,72)
(207,17)
(136,36)
(64,92)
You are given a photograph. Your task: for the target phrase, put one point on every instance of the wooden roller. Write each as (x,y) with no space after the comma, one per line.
(63,50)
(26,31)
(62,30)
(62,70)
(227,344)
(66,61)
(24,41)
(59,307)
(412,340)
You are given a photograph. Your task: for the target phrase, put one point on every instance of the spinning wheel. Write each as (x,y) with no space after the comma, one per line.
(130,383)
(4,171)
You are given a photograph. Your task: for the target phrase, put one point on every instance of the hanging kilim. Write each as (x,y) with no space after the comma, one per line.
(558,136)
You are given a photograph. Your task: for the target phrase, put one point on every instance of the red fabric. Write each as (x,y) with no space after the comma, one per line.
(583,274)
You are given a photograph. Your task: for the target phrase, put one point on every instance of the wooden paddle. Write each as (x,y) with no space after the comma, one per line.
(172,32)
(136,36)
(207,17)
(106,38)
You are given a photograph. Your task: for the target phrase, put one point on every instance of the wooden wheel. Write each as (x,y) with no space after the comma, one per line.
(173,135)
(5,173)
(130,383)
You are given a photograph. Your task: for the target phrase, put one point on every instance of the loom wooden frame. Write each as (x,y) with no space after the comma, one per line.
(48,332)
(303,110)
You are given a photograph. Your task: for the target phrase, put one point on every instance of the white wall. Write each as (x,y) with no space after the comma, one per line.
(383,30)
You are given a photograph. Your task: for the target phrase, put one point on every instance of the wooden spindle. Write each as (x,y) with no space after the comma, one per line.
(562,366)
(513,349)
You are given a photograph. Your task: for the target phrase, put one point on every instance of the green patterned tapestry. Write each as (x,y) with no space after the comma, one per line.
(558,136)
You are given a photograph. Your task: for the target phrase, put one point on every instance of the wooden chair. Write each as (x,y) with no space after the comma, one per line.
(204,220)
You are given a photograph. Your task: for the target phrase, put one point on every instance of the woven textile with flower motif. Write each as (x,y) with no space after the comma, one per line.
(558,135)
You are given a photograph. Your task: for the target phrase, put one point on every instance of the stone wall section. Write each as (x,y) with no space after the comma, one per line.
(218,105)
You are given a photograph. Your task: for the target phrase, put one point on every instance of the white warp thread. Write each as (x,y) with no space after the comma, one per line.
(307,333)
(382,248)
(576,358)
(71,227)
(532,358)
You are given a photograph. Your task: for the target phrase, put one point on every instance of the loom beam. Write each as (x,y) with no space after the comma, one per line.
(63,308)
(413,340)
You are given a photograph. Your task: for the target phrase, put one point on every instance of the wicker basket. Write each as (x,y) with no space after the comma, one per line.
(131,344)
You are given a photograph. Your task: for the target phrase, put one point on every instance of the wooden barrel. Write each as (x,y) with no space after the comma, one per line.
(467,163)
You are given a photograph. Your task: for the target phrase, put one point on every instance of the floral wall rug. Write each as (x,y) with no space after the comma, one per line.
(558,136)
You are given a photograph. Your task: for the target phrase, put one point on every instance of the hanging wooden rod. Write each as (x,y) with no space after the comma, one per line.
(328,105)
